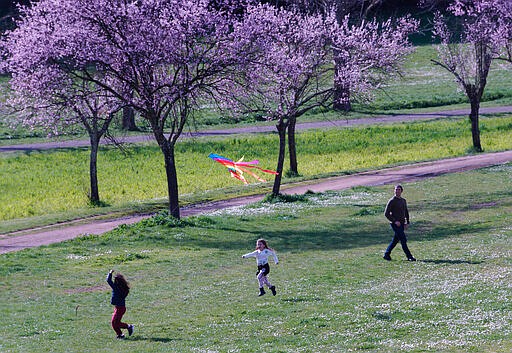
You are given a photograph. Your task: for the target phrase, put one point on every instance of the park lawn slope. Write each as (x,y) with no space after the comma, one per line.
(192,292)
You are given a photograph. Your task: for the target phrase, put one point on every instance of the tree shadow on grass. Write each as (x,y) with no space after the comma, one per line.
(351,236)
(335,229)
(477,200)
(344,234)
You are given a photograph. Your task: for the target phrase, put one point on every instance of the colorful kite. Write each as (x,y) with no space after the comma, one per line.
(237,169)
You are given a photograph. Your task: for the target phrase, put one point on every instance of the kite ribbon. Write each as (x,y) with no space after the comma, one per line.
(237,169)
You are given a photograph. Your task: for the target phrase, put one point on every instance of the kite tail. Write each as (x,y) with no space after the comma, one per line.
(268,171)
(237,169)
(253,175)
(237,175)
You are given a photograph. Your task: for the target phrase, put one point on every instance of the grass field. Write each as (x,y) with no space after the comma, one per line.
(426,85)
(191,291)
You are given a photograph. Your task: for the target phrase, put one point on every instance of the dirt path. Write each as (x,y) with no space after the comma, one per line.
(384,119)
(48,235)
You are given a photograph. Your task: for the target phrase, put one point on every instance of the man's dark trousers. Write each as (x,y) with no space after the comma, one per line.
(399,237)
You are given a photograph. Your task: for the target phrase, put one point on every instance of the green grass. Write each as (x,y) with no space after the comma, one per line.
(425,85)
(191,291)
(38,185)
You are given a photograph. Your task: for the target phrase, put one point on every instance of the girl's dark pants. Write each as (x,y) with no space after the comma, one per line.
(117,316)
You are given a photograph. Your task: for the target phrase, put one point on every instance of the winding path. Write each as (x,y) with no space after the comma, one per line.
(383,119)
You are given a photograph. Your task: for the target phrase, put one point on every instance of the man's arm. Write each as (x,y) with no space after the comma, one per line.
(387,212)
(407,221)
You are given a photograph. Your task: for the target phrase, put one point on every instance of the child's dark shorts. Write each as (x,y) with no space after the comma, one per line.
(265,267)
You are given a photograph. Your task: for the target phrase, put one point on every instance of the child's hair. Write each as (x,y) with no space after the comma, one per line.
(264,242)
(122,284)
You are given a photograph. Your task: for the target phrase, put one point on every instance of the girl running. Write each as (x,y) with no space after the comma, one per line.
(120,289)
(262,253)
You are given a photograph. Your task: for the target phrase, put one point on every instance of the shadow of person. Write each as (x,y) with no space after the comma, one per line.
(451,262)
(154,339)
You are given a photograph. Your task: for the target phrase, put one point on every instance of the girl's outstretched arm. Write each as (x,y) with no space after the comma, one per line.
(251,254)
(109,279)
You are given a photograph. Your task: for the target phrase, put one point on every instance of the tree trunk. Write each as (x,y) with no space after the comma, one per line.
(292,149)
(129,119)
(342,98)
(167,149)
(475,91)
(475,128)
(172,183)
(94,196)
(281,129)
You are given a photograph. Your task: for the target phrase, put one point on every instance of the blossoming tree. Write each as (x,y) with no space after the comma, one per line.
(45,92)
(467,50)
(294,72)
(161,57)
(368,54)
(283,77)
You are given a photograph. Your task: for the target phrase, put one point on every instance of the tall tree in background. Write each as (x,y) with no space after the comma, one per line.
(361,9)
(161,57)
(294,73)
(355,13)
(83,104)
(128,119)
(9,11)
(358,12)
(503,35)
(373,51)
(46,94)
(479,36)
(288,77)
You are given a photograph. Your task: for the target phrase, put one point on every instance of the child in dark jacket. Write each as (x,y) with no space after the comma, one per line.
(120,289)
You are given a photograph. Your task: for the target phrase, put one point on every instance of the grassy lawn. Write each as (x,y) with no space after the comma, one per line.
(425,85)
(192,292)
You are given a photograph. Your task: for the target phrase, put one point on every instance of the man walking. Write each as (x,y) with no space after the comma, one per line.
(398,214)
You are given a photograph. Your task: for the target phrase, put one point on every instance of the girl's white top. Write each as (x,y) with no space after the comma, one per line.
(262,256)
